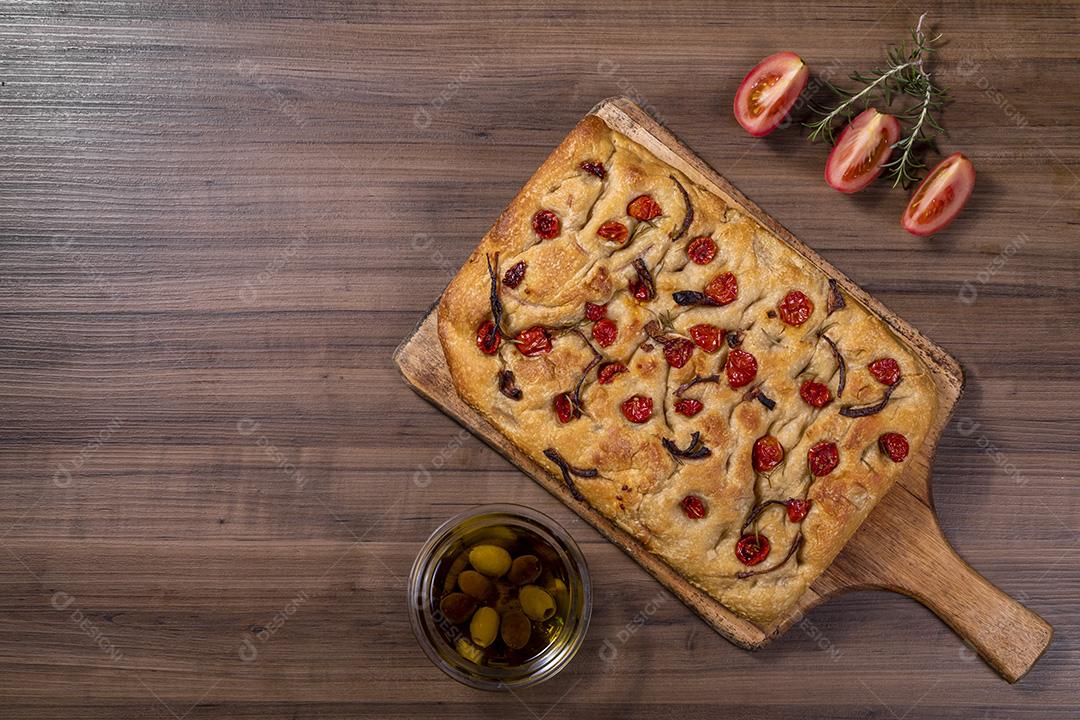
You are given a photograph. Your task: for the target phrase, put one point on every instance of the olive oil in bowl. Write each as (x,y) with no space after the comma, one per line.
(499,597)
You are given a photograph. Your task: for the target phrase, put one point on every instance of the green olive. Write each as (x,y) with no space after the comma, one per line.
(457,607)
(484,626)
(516,629)
(491,560)
(536,603)
(477,585)
(504,537)
(524,570)
(558,590)
(469,651)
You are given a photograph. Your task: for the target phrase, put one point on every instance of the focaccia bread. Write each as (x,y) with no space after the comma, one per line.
(687,374)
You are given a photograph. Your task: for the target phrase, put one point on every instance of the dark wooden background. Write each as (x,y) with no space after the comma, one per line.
(218,220)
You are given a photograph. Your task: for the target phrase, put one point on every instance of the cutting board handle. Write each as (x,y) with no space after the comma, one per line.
(923,565)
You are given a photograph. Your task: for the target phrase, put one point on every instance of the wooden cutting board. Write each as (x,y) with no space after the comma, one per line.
(900,546)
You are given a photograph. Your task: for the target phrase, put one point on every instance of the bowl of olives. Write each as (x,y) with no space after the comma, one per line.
(499,597)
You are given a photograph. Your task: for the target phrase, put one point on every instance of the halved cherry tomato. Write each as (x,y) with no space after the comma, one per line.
(940,197)
(768,92)
(694,507)
(862,150)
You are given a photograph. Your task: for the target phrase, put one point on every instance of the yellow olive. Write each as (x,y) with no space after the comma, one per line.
(491,560)
(484,626)
(524,570)
(536,603)
(469,651)
(475,584)
(457,607)
(516,629)
(504,537)
(558,590)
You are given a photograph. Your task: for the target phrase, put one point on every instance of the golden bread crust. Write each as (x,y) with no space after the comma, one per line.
(638,483)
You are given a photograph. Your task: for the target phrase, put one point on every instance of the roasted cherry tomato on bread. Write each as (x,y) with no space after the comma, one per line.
(795,308)
(533,341)
(546,224)
(797,509)
(607,372)
(740,369)
(565,407)
(707,337)
(752,548)
(894,445)
(769,91)
(637,409)
(701,250)
(694,507)
(644,208)
(767,453)
(688,407)
(815,394)
(595,312)
(678,352)
(885,370)
(605,332)
(723,289)
(488,338)
(940,197)
(614,231)
(861,151)
(823,458)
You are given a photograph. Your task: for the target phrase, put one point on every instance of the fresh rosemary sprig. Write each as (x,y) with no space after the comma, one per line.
(905,76)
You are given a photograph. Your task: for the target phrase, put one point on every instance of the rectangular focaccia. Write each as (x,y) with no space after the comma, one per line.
(686,372)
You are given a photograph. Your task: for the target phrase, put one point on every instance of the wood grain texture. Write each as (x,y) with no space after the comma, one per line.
(218,219)
(902,549)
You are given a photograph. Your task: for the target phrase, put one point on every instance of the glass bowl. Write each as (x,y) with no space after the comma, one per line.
(425,617)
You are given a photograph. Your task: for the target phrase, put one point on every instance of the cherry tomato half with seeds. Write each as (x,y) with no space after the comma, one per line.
(767,453)
(815,394)
(707,337)
(694,507)
(595,312)
(678,352)
(797,509)
(688,407)
(861,151)
(823,458)
(614,231)
(637,409)
(701,250)
(533,341)
(643,207)
(769,91)
(885,370)
(607,372)
(515,274)
(723,289)
(894,445)
(740,369)
(488,338)
(752,548)
(940,197)
(795,308)
(565,407)
(605,332)
(546,224)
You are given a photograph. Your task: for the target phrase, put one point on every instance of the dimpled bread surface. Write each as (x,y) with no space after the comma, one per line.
(638,483)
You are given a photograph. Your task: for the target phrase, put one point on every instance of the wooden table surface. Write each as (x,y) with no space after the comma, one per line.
(217,221)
